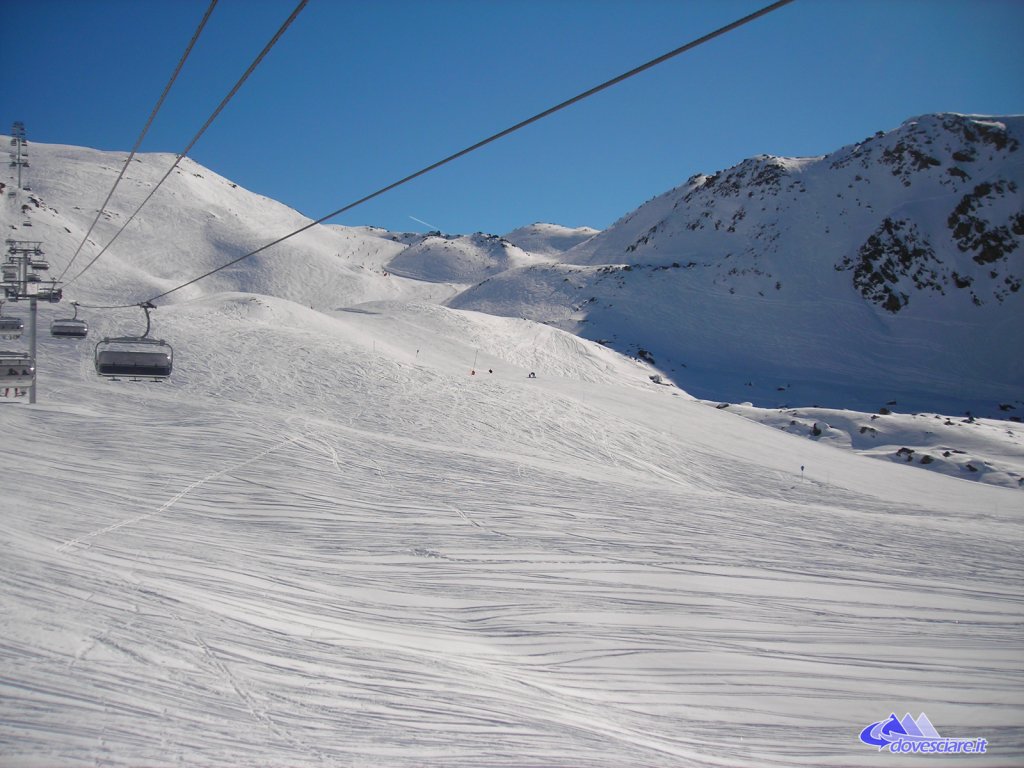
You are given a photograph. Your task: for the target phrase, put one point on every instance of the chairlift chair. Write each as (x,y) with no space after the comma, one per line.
(10,327)
(17,370)
(69,327)
(53,294)
(135,357)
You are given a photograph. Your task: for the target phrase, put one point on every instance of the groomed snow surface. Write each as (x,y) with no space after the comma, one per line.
(325,541)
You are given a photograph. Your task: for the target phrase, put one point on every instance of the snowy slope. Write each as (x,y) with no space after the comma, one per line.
(464,259)
(195,222)
(325,542)
(985,450)
(549,239)
(204,220)
(888,270)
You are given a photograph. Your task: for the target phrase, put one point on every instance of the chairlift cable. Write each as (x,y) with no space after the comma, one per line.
(145,130)
(181,156)
(501,134)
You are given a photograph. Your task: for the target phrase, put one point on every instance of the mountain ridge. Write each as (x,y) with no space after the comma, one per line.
(886,270)
(914,262)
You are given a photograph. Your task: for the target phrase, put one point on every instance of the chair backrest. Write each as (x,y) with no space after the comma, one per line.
(121,362)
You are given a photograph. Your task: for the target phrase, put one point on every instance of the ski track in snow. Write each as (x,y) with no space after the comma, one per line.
(84,540)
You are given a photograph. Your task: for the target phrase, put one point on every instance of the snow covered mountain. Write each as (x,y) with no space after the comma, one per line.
(351,529)
(465,259)
(549,239)
(197,221)
(886,272)
(889,270)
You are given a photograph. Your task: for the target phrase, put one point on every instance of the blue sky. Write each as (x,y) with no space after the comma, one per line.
(359,94)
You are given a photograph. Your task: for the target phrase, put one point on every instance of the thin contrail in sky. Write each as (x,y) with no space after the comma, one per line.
(424,223)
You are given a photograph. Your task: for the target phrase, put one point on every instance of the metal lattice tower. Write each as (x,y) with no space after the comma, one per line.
(21,280)
(19,155)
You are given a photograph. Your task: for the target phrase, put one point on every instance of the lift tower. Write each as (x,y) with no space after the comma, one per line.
(19,155)
(21,280)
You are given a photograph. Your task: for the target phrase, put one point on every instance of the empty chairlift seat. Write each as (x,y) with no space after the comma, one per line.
(17,369)
(11,327)
(134,358)
(69,327)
